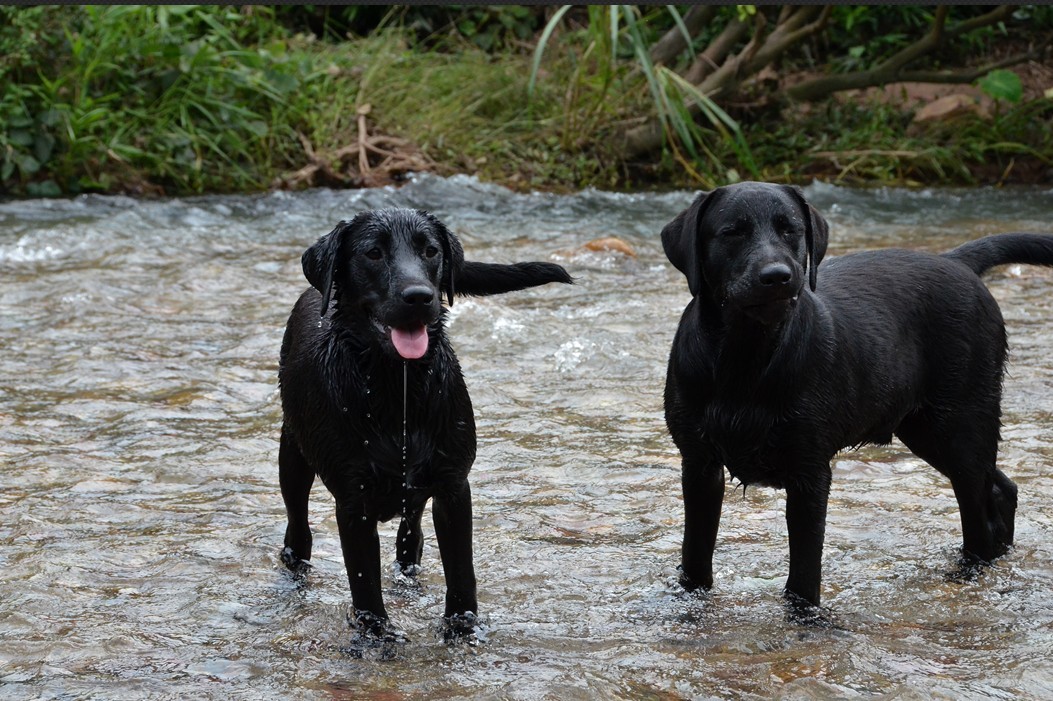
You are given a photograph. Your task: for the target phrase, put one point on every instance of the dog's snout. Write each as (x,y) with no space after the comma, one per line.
(774,274)
(418,295)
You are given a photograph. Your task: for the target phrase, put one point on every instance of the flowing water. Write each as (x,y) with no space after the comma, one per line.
(140,518)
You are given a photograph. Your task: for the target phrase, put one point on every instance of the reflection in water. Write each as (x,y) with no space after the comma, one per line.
(140,520)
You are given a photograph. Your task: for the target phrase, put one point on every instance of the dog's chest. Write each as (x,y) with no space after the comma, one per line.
(395,430)
(751,441)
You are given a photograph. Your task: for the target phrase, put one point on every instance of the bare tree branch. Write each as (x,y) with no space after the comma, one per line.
(967,75)
(891,70)
(789,34)
(994,16)
(795,24)
(718,71)
(672,43)
(714,54)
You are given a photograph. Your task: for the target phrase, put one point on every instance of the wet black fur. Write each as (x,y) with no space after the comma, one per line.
(342,398)
(778,364)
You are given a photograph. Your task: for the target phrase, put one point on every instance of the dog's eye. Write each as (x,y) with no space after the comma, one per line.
(374,254)
(431,251)
(785,228)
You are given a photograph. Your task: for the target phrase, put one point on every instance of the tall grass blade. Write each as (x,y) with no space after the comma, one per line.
(539,50)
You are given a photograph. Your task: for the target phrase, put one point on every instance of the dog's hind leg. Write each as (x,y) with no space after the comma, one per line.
(409,544)
(295,477)
(966,453)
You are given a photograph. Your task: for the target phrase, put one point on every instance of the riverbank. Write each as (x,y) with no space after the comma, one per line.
(189,99)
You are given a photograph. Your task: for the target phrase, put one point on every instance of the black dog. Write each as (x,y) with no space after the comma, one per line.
(374,402)
(770,376)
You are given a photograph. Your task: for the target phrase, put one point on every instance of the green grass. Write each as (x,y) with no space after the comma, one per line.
(189,99)
(864,143)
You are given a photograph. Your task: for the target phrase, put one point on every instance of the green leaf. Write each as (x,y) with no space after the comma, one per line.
(43,146)
(282,83)
(20,121)
(49,117)
(20,137)
(26,163)
(48,188)
(257,127)
(1002,85)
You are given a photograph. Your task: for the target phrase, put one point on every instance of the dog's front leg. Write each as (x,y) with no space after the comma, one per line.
(361,547)
(452,515)
(806,500)
(295,477)
(703,486)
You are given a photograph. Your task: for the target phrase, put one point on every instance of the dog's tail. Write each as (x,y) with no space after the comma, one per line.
(983,254)
(481,279)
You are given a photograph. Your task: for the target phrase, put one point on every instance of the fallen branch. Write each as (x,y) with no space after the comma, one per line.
(795,23)
(369,161)
(673,42)
(892,70)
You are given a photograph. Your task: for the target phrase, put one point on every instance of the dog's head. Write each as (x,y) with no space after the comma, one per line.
(390,267)
(749,246)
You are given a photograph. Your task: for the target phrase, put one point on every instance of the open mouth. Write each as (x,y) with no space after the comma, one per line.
(410,342)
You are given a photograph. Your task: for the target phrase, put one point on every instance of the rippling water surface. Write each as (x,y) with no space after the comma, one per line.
(140,518)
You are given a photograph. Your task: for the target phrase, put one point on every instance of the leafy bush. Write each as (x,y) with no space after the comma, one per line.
(198,96)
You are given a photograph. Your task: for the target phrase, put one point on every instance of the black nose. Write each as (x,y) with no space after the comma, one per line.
(775,274)
(418,294)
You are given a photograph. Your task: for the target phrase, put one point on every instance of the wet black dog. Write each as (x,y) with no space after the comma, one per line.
(778,364)
(374,402)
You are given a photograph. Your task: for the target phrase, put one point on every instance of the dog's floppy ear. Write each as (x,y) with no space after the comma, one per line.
(320,260)
(680,241)
(452,255)
(816,234)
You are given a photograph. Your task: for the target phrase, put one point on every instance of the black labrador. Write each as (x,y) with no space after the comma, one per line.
(374,403)
(777,365)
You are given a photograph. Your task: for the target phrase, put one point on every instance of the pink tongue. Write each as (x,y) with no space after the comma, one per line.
(410,343)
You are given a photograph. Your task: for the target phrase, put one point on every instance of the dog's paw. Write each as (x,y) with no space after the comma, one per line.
(802,612)
(464,628)
(404,578)
(967,569)
(294,564)
(690,584)
(409,570)
(374,636)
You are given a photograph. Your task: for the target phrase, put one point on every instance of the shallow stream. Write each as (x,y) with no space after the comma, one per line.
(140,518)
